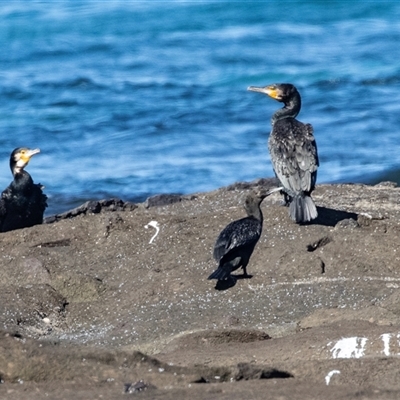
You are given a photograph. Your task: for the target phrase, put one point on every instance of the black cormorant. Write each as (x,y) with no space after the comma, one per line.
(236,242)
(23,203)
(293,152)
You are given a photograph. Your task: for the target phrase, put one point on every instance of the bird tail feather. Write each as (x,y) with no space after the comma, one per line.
(302,208)
(220,274)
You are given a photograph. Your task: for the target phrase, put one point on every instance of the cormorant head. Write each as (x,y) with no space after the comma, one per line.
(254,198)
(20,157)
(283,92)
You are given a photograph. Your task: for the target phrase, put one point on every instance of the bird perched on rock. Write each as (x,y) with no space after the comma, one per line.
(236,242)
(22,203)
(293,152)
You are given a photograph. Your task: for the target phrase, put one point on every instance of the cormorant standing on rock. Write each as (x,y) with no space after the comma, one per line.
(293,152)
(23,203)
(236,242)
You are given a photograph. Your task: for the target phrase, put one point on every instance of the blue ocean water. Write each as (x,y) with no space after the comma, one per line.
(128,98)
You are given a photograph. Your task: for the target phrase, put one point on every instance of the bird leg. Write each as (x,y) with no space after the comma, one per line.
(245,275)
(286,198)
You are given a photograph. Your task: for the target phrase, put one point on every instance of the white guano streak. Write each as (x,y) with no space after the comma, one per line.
(156,226)
(352,347)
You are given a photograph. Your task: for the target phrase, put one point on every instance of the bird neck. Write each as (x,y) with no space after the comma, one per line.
(21,179)
(256,213)
(16,169)
(290,110)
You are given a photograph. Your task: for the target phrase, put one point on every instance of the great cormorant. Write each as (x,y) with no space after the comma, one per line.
(293,152)
(236,242)
(23,203)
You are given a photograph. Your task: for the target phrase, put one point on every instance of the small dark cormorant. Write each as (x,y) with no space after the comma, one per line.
(293,152)
(23,203)
(236,242)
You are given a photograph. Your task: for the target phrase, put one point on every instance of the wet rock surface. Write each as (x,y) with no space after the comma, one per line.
(111,300)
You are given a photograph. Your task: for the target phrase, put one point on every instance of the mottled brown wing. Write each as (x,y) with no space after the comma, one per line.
(236,235)
(294,155)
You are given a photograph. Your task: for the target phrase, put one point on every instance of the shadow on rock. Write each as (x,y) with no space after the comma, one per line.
(330,217)
(228,283)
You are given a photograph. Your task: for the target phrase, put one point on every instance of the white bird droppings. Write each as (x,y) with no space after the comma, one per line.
(386,343)
(352,347)
(330,374)
(156,226)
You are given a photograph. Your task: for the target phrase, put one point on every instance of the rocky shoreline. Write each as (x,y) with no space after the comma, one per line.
(111,299)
